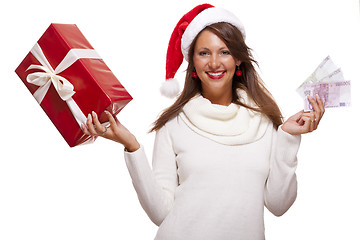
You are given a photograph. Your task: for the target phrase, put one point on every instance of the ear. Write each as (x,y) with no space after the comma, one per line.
(237,62)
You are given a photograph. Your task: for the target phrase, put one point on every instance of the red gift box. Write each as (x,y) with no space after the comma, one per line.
(69,80)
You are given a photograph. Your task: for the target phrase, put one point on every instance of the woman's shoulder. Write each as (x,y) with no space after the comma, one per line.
(173,123)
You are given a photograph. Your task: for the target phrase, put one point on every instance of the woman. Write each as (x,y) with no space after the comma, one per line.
(221,150)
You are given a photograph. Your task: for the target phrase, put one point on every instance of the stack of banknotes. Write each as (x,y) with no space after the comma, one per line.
(328,82)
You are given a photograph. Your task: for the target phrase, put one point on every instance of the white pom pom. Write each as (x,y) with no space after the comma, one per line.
(170,88)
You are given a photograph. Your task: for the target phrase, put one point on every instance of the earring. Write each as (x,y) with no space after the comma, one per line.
(194,74)
(238,71)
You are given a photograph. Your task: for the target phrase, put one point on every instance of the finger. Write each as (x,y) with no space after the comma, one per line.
(84,129)
(313,120)
(100,129)
(307,124)
(310,115)
(90,125)
(300,121)
(319,112)
(315,106)
(297,116)
(112,120)
(313,125)
(321,106)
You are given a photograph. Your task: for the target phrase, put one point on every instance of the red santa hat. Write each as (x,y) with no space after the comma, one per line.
(189,26)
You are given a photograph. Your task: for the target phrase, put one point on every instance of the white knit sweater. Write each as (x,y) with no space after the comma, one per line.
(204,187)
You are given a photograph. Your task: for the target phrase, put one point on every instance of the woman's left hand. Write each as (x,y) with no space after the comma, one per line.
(305,122)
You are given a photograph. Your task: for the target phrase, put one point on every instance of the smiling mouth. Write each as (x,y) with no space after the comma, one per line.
(216,75)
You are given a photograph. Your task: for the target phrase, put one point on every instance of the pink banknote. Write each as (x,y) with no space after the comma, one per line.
(333,94)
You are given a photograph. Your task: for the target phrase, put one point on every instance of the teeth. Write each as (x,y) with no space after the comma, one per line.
(215,74)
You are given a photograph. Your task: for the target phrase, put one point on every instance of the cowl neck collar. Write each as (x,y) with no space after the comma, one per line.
(229,125)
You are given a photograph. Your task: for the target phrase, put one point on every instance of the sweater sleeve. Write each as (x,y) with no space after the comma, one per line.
(155,187)
(281,184)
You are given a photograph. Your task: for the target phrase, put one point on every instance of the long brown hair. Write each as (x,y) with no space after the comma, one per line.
(249,81)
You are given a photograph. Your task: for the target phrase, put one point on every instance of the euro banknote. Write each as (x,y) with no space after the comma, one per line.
(329,83)
(333,94)
(322,73)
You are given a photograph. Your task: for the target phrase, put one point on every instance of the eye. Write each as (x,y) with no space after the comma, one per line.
(203,53)
(225,52)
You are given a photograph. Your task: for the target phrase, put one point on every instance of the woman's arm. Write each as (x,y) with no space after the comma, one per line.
(281,185)
(155,186)
(115,132)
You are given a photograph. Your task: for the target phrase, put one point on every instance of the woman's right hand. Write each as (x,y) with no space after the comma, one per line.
(116,131)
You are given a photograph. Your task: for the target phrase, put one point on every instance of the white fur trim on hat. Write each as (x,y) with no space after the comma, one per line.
(170,88)
(204,19)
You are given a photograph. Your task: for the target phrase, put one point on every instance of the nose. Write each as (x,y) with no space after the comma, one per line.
(214,62)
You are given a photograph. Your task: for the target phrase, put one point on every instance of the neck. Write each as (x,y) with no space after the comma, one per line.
(224,99)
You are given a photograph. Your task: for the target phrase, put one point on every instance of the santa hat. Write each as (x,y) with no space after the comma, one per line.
(189,26)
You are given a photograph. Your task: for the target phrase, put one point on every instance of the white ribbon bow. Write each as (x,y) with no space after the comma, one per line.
(48,75)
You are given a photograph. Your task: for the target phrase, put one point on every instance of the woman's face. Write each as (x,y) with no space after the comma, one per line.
(214,64)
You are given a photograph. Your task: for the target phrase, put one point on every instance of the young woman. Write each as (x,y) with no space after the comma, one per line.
(222,151)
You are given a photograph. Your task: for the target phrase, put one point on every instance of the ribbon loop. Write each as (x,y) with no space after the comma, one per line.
(64,88)
(48,75)
(43,79)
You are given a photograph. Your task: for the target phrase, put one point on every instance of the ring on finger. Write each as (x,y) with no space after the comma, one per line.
(103,133)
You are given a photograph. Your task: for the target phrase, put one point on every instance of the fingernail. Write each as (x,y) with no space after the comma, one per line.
(317,96)
(106,112)
(89,116)
(94,114)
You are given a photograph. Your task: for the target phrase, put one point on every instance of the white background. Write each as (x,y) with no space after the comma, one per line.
(51,191)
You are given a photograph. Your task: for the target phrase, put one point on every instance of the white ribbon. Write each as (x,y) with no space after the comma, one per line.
(48,75)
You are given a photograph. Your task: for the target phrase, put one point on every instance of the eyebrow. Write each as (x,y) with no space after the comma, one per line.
(207,49)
